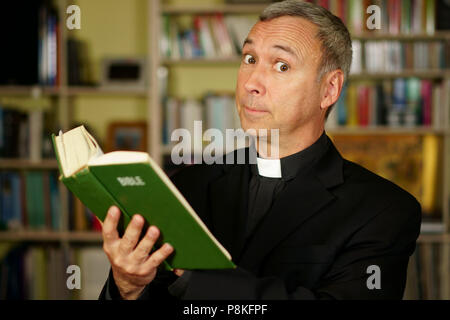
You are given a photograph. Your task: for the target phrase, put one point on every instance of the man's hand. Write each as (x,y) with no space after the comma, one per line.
(178,272)
(132,266)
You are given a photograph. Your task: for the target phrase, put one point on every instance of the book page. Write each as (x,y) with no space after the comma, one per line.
(75,148)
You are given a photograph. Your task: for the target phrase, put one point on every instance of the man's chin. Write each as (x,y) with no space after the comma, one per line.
(257,131)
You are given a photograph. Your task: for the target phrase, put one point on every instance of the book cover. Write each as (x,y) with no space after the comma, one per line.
(137,185)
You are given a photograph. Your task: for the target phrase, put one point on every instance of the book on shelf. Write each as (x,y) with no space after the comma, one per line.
(402,102)
(442,14)
(95,266)
(216,111)
(29,200)
(134,183)
(78,67)
(24,134)
(425,277)
(387,56)
(397,16)
(49,46)
(20,41)
(39,273)
(209,36)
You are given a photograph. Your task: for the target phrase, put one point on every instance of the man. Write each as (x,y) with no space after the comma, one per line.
(310,225)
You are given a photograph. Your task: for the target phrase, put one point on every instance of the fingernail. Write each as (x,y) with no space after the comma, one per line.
(168,247)
(153,232)
(112,212)
(137,219)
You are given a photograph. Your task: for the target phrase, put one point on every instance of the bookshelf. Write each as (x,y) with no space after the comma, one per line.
(64,97)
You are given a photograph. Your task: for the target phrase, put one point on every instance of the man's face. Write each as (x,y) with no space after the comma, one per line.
(276,86)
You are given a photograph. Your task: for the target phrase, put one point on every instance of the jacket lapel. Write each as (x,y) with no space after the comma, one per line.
(302,198)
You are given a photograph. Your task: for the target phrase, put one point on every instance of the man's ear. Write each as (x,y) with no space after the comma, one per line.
(331,88)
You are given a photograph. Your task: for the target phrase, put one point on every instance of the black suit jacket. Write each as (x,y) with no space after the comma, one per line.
(330,224)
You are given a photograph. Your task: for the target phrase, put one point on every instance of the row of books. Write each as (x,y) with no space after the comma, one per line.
(395,16)
(411,161)
(49,44)
(400,102)
(41,273)
(25,134)
(396,56)
(425,279)
(217,35)
(208,36)
(31,200)
(214,110)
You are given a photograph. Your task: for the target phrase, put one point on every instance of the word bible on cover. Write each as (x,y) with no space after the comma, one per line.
(134,183)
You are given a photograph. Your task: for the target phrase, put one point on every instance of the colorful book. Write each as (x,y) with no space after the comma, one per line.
(134,183)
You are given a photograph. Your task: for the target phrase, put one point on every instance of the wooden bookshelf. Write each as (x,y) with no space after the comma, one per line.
(438,35)
(65,95)
(202,61)
(384,130)
(423,74)
(51,236)
(106,91)
(32,91)
(25,164)
(96,237)
(214,8)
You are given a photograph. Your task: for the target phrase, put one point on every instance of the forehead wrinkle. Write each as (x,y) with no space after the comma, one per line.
(296,33)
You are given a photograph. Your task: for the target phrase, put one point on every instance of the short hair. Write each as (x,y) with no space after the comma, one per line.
(333,35)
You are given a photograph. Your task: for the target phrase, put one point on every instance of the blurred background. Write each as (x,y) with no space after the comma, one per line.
(132,71)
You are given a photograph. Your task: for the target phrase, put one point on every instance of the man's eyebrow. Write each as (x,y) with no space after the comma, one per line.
(287,49)
(247,41)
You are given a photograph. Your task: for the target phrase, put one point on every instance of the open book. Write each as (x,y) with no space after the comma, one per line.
(136,184)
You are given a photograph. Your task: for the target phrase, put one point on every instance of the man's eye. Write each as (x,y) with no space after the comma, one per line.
(282,67)
(248,59)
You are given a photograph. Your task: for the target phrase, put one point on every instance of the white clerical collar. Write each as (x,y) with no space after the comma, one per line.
(270,168)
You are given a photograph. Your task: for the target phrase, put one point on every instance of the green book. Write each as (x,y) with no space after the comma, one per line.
(134,183)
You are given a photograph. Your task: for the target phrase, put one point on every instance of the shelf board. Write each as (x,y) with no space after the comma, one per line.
(202,61)
(105,91)
(36,91)
(434,238)
(381,130)
(33,91)
(235,61)
(75,236)
(438,35)
(28,164)
(430,74)
(96,237)
(378,130)
(215,8)
(420,130)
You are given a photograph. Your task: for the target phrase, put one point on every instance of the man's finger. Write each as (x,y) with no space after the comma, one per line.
(157,257)
(132,233)
(146,244)
(178,272)
(109,229)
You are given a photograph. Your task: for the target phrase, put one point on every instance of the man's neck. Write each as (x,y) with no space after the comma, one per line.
(289,144)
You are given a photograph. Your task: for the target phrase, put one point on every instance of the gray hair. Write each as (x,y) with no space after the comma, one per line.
(335,39)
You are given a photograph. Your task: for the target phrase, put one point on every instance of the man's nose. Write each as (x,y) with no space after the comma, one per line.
(255,82)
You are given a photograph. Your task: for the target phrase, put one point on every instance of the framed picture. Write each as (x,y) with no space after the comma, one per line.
(129,136)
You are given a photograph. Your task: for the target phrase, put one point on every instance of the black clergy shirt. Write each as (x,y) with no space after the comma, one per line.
(264,190)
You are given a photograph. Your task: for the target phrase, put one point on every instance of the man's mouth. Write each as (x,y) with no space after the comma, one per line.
(254,110)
